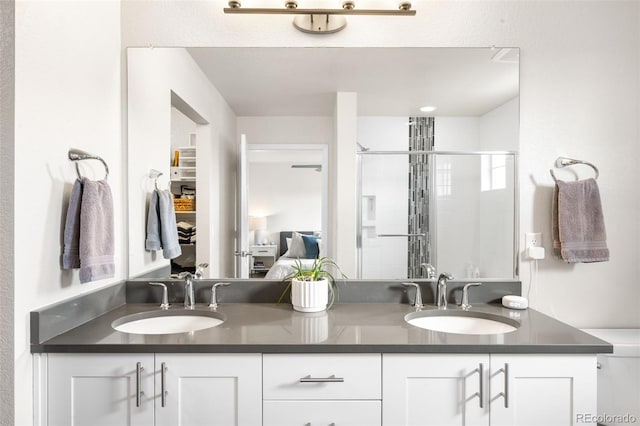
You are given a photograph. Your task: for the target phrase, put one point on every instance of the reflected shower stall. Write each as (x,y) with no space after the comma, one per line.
(454,211)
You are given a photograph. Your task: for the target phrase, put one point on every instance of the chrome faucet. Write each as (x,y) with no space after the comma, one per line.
(418,301)
(441,293)
(429,269)
(465,295)
(189,296)
(214,298)
(165,297)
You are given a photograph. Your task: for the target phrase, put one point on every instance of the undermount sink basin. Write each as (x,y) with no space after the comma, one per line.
(167,322)
(462,322)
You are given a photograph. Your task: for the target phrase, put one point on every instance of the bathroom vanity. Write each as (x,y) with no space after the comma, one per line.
(265,364)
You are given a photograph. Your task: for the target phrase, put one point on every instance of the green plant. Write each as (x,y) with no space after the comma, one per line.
(320,269)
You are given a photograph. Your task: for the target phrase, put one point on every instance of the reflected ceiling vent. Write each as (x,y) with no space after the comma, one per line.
(507,55)
(321,21)
(316,167)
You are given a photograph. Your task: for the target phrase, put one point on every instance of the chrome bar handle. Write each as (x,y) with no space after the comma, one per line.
(506,385)
(330,379)
(505,394)
(163,384)
(481,391)
(139,370)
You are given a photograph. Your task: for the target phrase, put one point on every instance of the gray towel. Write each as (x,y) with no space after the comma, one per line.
(153,224)
(168,230)
(71,253)
(96,231)
(578,230)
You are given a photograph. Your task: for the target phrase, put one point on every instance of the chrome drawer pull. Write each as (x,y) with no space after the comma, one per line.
(330,379)
(163,384)
(139,370)
(505,394)
(481,392)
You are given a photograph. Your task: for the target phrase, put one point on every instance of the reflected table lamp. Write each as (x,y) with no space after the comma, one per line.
(259,227)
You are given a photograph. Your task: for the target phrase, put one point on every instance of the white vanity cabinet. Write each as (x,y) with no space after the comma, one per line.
(551,390)
(437,390)
(99,390)
(199,390)
(318,389)
(208,389)
(322,389)
(543,389)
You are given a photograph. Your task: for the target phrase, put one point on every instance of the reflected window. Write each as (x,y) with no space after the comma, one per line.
(494,172)
(443,178)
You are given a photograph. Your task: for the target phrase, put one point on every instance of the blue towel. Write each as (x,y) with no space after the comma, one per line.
(96,231)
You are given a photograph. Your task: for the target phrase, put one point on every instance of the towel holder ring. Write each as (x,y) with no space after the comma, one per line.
(564,162)
(155,174)
(76,155)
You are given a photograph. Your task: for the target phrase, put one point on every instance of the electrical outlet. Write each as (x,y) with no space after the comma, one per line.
(533,246)
(532,239)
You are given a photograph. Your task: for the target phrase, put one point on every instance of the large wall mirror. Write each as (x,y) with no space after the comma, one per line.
(399,185)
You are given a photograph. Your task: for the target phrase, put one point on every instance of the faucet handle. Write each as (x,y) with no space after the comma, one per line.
(446,276)
(465,295)
(165,296)
(429,269)
(418,301)
(185,275)
(199,270)
(214,301)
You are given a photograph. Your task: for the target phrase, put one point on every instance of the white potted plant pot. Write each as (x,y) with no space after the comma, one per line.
(309,296)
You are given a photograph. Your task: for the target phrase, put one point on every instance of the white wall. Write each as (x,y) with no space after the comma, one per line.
(499,128)
(67,94)
(7,166)
(291,198)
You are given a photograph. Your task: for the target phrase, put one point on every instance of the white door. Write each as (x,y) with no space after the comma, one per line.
(550,390)
(208,390)
(438,390)
(100,390)
(242,243)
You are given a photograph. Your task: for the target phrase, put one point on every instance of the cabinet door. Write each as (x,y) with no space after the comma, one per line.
(551,390)
(209,389)
(322,413)
(100,390)
(442,390)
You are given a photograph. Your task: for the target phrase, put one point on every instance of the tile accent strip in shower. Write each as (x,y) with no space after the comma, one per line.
(421,138)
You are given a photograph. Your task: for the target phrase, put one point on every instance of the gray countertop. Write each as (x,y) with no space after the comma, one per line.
(345,328)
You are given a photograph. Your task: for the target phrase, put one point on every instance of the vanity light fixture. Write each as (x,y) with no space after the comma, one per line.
(321,21)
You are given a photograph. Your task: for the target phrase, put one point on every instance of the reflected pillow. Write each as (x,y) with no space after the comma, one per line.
(311,246)
(296,247)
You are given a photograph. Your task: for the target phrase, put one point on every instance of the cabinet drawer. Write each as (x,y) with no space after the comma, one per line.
(343,413)
(263,251)
(322,376)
